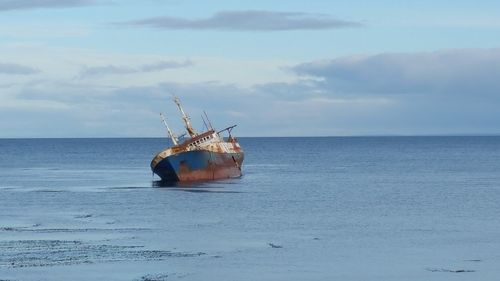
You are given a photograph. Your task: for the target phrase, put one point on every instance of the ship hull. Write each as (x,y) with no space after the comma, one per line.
(199,165)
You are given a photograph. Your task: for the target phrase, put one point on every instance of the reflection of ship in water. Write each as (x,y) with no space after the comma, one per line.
(202,156)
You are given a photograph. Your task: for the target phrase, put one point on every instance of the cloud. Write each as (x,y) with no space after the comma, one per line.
(6,5)
(134,111)
(468,72)
(455,91)
(162,65)
(386,94)
(108,69)
(12,68)
(113,69)
(248,21)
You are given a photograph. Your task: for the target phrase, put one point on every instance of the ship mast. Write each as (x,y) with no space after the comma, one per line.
(172,136)
(185,118)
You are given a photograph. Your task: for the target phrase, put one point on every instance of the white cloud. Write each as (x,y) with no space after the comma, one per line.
(385,94)
(146,68)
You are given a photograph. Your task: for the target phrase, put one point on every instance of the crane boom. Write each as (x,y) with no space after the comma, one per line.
(185,118)
(172,136)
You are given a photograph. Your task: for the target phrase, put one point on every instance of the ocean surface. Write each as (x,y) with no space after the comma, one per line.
(346,208)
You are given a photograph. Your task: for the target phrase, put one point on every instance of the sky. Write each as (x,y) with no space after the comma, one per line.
(107,68)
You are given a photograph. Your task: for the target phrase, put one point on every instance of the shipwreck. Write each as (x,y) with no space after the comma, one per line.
(198,156)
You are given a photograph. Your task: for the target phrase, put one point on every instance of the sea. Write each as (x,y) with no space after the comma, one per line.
(312,208)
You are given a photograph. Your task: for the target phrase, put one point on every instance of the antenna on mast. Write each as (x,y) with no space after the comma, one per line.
(185,118)
(205,123)
(209,123)
(172,136)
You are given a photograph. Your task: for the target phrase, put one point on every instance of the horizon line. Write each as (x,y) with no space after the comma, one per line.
(312,136)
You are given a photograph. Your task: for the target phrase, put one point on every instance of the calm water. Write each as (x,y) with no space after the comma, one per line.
(381,208)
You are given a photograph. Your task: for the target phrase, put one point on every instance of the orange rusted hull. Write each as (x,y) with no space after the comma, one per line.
(199,165)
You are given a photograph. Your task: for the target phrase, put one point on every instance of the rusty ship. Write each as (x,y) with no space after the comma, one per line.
(199,156)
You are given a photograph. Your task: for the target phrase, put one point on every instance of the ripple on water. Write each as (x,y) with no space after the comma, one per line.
(40,253)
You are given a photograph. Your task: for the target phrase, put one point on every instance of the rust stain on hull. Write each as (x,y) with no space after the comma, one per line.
(211,172)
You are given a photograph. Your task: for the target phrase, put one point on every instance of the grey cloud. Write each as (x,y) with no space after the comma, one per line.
(249,21)
(472,72)
(288,91)
(108,69)
(113,69)
(444,92)
(162,65)
(12,68)
(272,109)
(6,5)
